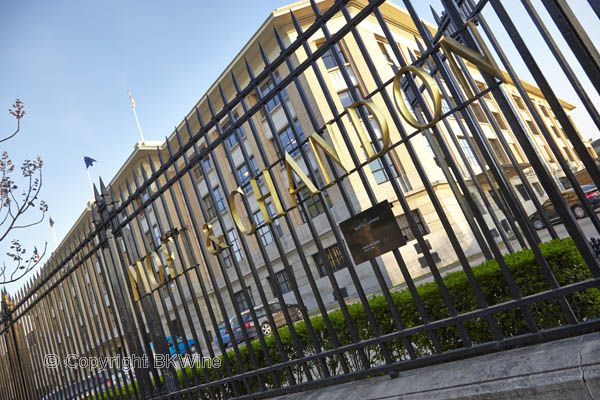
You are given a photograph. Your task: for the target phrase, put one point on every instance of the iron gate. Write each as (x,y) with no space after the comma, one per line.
(153,269)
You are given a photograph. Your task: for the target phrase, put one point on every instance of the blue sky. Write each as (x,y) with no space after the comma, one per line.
(72,63)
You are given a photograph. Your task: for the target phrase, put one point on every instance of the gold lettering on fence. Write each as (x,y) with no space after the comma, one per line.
(214,244)
(335,153)
(362,134)
(291,165)
(147,278)
(432,88)
(486,61)
(236,215)
(272,192)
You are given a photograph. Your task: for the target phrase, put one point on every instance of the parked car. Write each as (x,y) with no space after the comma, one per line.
(180,345)
(222,327)
(278,316)
(591,193)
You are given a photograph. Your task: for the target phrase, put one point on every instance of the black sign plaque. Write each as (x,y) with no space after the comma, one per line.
(372,233)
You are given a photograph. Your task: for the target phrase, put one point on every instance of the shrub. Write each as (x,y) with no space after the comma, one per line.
(563,258)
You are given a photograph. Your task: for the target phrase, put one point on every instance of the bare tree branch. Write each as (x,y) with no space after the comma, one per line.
(14,206)
(18,112)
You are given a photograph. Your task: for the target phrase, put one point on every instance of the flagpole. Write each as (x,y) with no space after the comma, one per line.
(90,179)
(54,237)
(137,121)
(53,233)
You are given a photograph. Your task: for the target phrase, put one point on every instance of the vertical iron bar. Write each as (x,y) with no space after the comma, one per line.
(557,199)
(576,37)
(415,230)
(319,300)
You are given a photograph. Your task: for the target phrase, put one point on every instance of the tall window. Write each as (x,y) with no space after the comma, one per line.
(523,191)
(556,131)
(231,139)
(329,59)
(264,232)
(245,173)
(499,120)
(378,170)
(288,140)
(481,86)
(538,188)
(405,227)
(544,110)
(266,88)
(565,182)
(240,299)
(346,98)
(220,200)
(385,53)
(282,283)
(235,245)
(532,127)
(498,151)
(333,254)
(211,213)
(479,114)
(464,145)
(313,203)
(226,258)
(207,164)
(520,103)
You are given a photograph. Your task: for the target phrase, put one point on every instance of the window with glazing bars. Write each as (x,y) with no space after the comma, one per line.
(231,139)
(335,257)
(240,299)
(282,283)
(245,173)
(313,203)
(235,244)
(288,140)
(405,228)
(500,120)
(220,200)
(211,213)
(266,88)
(265,234)
(378,171)
(329,59)
(565,182)
(464,145)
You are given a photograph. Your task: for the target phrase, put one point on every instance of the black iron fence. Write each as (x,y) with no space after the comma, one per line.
(345,253)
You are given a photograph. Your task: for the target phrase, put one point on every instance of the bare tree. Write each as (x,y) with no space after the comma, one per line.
(19,195)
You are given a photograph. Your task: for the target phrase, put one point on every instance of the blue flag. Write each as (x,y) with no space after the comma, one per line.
(89,161)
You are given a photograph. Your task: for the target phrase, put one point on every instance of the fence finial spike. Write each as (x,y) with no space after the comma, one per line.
(435,14)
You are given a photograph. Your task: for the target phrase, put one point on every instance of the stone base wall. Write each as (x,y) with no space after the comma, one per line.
(567,369)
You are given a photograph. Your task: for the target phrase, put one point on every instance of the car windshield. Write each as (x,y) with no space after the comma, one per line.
(221,325)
